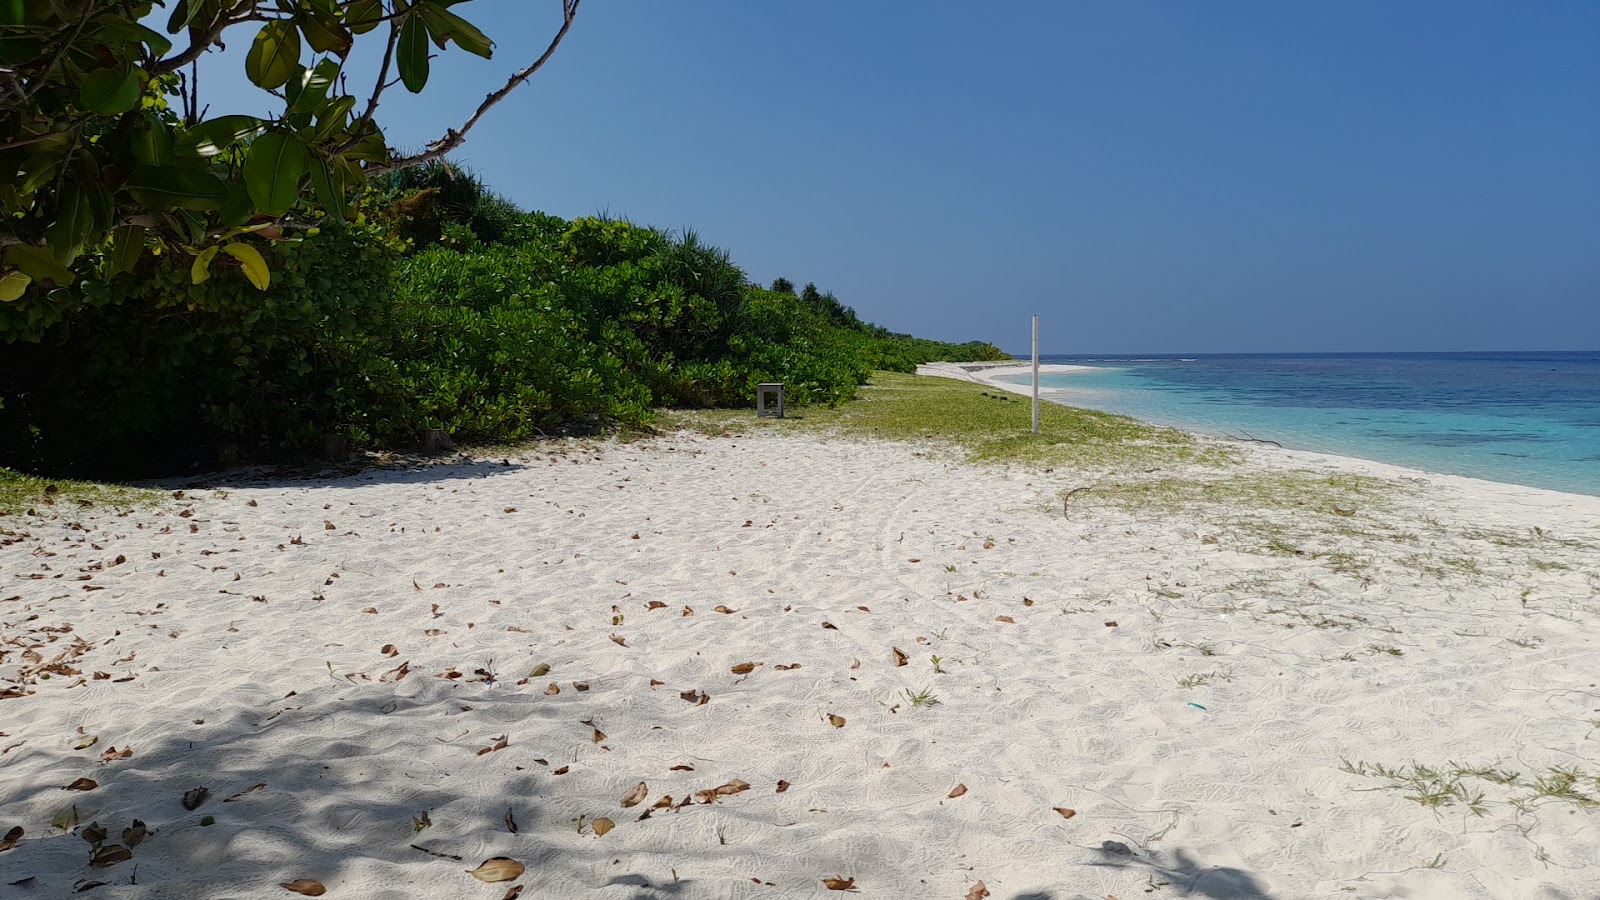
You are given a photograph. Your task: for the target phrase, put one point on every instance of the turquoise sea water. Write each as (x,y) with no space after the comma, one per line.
(1523,418)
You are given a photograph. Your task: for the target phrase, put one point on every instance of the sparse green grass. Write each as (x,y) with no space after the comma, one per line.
(925,697)
(979,423)
(1197,679)
(1299,491)
(1375,649)
(1448,785)
(19,493)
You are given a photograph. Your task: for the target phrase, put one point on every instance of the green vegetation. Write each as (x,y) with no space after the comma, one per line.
(443,307)
(984,426)
(1441,787)
(96,158)
(20,493)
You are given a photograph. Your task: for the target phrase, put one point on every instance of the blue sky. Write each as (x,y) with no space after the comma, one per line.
(1147,176)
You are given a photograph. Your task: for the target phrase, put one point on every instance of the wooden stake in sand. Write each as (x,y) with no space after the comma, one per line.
(1035,374)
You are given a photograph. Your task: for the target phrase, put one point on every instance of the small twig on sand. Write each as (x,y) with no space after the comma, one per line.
(1067,498)
(1253,440)
(436,853)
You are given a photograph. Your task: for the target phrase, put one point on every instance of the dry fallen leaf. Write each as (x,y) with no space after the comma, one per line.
(745,668)
(82,784)
(1007,619)
(304,886)
(601,826)
(655,604)
(67,819)
(371,610)
(830,626)
(1112,623)
(978,891)
(900,657)
(598,736)
(511,821)
(636,796)
(249,790)
(736,786)
(193,799)
(420,822)
(539,671)
(94,834)
(839,884)
(618,640)
(782,786)
(835,721)
(513,892)
(110,856)
(133,834)
(11,838)
(85,742)
(552,690)
(390,650)
(958,790)
(112,753)
(498,868)
(724,610)
(1066,813)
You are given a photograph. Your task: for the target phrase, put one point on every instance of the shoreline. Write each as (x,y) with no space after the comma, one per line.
(986,375)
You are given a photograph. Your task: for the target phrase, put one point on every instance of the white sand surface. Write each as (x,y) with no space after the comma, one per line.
(234,638)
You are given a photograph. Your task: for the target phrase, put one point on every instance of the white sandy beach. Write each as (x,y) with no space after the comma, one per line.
(1107,675)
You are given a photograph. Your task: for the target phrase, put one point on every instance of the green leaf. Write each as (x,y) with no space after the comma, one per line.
(38,263)
(153,39)
(273,171)
(274,56)
(110,92)
(201,270)
(255,268)
(324,32)
(312,88)
(238,208)
(446,25)
(12,285)
(127,243)
(152,142)
(174,187)
(363,15)
(74,220)
(413,54)
(331,116)
(328,181)
(216,135)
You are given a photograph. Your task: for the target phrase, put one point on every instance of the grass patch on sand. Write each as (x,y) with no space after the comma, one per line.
(1454,784)
(984,425)
(20,493)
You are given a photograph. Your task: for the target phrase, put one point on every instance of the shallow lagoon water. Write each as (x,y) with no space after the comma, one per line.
(1523,418)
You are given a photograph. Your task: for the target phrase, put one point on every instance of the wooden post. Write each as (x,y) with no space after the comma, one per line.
(1035,374)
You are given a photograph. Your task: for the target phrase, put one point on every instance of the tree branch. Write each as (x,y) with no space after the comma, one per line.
(88,13)
(455,137)
(203,39)
(383,78)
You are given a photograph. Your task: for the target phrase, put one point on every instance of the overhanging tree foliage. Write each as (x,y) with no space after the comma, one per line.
(105,146)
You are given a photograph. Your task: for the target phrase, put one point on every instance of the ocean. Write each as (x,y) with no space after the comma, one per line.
(1523,418)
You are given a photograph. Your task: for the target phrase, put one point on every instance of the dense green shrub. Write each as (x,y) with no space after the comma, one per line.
(452,311)
(148,371)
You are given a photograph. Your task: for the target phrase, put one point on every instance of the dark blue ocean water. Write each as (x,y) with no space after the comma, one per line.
(1524,418)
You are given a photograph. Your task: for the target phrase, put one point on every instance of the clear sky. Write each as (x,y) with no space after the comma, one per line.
(1147,176)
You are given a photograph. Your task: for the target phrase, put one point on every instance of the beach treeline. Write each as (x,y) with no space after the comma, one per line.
(438,305)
